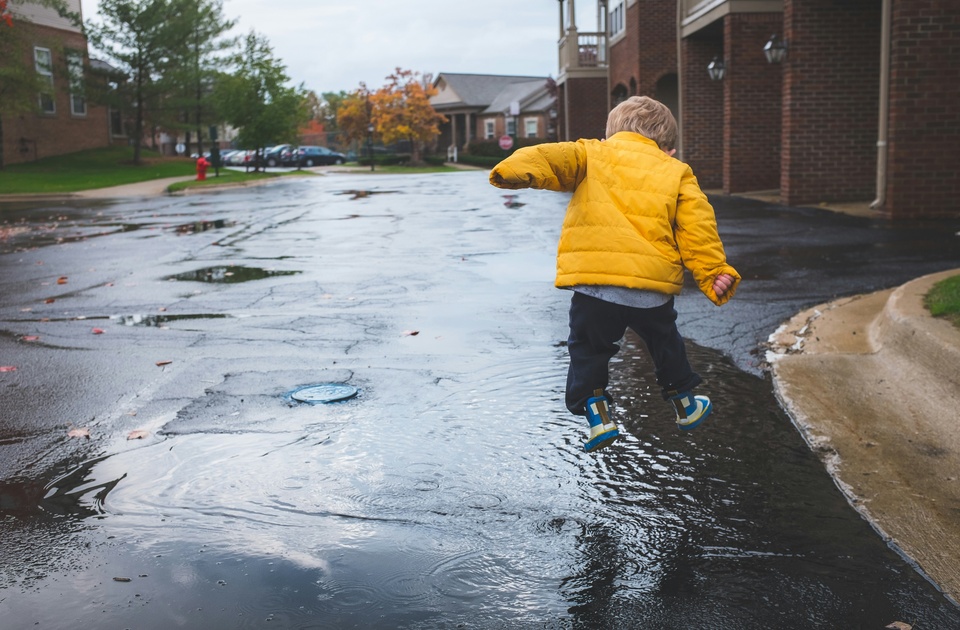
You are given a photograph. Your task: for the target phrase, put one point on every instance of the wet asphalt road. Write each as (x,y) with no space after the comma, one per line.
(451,492)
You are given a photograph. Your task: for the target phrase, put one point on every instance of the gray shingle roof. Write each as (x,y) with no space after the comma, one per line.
(480,90)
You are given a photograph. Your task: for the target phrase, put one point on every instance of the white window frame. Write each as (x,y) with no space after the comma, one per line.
(531,126)
(617,19)
(45,70)
(78,101)
(489,128)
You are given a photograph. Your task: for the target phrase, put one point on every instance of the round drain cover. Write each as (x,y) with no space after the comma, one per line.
(323,393)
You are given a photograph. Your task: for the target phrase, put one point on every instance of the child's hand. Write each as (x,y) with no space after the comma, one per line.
(722,284)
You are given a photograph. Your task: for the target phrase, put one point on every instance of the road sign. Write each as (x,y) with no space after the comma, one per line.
(506,143)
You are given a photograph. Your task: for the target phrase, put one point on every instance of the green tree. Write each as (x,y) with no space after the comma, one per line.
(330,103)
(197,48)
(135,34)
(257,100)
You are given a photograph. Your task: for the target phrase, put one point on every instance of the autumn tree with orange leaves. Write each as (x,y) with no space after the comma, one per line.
(400,110)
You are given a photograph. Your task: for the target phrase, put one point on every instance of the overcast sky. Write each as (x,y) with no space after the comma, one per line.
(333,45)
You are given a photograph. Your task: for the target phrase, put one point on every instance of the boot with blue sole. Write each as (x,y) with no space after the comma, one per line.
(691,410)
(603,430)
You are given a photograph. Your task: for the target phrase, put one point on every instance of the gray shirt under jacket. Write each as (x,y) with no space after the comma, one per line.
(636,298)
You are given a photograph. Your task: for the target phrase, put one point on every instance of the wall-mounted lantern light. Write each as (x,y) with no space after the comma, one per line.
(775,49)
(716,69)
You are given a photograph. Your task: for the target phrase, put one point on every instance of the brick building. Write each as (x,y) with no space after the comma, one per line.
(487,106)
(63,120)
(862,105)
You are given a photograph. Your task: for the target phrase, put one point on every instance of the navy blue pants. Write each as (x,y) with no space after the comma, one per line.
(596,327)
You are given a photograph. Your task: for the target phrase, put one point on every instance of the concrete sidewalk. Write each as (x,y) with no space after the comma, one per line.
(873,384)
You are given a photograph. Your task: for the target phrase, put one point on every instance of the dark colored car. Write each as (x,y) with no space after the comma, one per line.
(319,156)
(280,155)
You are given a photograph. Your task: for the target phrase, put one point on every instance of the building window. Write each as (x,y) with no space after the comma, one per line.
(617,21)
(530,127)
(116,123)
(511,126)
(43,61)
(78,102)
(488,128)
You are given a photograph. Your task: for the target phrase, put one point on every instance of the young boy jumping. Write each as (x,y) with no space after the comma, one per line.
(636,219)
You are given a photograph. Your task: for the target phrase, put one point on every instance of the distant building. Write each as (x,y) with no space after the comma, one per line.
(487,106)
(64,121)
(815,100)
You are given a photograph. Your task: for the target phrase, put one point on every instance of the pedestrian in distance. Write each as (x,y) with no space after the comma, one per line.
(636,219)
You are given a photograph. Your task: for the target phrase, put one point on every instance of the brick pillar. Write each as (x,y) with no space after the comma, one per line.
(752,104)
(702,111)
(924,133)
(585,100)
(830,100)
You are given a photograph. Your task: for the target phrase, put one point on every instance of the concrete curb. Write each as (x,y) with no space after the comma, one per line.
(872,383)
(906,325)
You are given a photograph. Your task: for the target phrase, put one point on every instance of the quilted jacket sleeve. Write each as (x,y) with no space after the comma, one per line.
(558,166)
(698,240)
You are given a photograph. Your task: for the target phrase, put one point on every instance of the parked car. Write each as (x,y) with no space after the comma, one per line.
(319,156)
(280,155)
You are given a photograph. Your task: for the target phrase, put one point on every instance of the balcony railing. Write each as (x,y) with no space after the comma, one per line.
(583,50)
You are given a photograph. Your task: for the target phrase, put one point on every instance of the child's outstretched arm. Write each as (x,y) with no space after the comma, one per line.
(699,243)
(558,166)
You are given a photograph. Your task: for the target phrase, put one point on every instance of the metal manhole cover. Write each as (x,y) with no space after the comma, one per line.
(323,393)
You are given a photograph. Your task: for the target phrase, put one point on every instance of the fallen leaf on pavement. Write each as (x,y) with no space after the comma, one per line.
(163,363)
(138,434)
(7,368)
(79,433)
(30,338)
(62,280)
(122,579)
(411,333)
(97,331)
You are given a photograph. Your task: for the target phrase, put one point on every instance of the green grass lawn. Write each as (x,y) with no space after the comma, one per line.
(97,168)
(113,166)
(943,300)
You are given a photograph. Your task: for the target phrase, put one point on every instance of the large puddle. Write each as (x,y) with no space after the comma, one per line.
(475,504)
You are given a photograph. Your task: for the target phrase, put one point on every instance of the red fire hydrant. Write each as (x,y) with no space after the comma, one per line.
(202,166)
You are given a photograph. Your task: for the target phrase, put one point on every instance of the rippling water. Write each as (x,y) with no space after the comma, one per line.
(453,491)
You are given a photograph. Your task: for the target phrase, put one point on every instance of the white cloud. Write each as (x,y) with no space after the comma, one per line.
(333,45)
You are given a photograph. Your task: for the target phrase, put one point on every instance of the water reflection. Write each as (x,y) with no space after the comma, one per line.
(229,274)
(137,319)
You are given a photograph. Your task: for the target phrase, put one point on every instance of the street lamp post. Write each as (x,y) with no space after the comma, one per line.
(370,144)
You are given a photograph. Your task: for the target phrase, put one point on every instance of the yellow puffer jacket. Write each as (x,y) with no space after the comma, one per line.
(637,216)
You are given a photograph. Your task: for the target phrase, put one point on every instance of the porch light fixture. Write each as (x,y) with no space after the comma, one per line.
(716,69)
(776,49)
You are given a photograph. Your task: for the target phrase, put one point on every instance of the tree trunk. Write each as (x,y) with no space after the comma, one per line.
(2,163)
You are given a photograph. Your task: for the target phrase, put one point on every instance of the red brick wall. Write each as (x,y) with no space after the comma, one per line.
(830,100)
(752,104)
(702,111)
(924,133)
(585,102)
(657,42)
(54,134)
(624,59)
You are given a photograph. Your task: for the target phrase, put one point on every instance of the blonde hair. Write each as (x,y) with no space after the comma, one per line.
(646,116)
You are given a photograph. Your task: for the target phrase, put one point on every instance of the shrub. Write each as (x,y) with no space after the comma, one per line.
(491,148)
